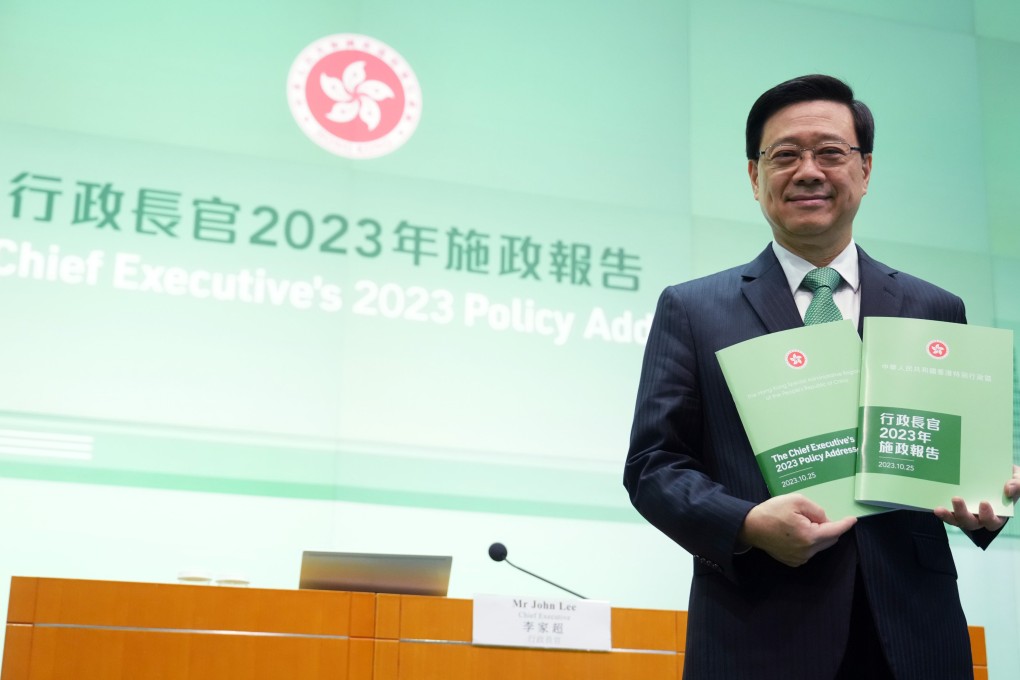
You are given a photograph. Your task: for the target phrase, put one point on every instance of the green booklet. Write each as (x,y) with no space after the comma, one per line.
(796,393)
(936,414)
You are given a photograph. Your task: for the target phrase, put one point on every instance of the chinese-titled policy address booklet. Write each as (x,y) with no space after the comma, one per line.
(936,414)
(796,392)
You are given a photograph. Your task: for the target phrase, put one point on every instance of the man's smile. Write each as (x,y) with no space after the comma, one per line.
(809,200)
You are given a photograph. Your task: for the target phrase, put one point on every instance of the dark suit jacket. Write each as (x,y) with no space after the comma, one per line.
(691,472)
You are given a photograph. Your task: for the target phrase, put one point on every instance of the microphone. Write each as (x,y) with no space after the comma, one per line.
(497,551)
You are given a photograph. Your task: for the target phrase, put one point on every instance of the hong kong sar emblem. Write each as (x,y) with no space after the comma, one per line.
(354,96)
(796,359)
(938,349)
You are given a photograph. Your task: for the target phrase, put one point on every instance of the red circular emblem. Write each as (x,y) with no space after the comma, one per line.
(796,359)
(354,96)
(938,349)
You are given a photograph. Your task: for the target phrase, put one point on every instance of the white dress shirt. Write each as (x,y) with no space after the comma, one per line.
(847,295)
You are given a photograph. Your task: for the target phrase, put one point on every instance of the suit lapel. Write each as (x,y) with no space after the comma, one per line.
(765,287)
(881,294)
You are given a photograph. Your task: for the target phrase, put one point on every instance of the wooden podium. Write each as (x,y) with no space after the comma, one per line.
(87,630)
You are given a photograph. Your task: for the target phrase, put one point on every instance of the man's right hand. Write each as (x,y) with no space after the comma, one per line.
(791,528)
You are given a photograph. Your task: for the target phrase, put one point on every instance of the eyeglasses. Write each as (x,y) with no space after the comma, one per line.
(826,154)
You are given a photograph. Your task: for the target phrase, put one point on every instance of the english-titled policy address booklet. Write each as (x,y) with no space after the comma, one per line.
(796,392)
(936,414)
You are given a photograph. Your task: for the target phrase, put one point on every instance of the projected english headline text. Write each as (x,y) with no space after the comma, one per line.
(130,272)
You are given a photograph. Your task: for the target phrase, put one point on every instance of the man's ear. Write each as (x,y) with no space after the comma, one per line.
(752,171)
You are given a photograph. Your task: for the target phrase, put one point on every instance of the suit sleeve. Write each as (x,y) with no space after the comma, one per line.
(668,469)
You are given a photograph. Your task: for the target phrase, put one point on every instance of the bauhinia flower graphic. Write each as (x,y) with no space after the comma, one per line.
(355,96)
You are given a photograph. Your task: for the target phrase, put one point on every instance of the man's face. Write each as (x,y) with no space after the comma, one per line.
(811,208)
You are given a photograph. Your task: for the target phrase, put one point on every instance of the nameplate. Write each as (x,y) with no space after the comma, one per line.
(547,623)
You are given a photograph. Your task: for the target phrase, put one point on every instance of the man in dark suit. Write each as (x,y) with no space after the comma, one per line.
(779,589)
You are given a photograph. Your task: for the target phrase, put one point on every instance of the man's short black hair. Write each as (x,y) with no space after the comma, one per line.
(808,89)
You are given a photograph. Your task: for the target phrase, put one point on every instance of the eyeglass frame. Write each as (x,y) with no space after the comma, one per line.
(802,149)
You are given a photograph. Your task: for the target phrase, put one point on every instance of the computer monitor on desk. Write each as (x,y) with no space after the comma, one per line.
(376,573)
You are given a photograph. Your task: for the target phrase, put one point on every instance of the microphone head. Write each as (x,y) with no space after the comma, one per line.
(497,551)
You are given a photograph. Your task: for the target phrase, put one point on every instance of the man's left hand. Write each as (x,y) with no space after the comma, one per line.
(961,516)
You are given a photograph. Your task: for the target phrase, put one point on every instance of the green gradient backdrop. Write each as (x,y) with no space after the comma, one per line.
(611,125)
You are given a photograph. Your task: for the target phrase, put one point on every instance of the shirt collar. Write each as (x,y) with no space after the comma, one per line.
(795,267)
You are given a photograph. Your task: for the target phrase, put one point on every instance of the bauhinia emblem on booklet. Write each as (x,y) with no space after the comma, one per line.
(796,392)
(936,414)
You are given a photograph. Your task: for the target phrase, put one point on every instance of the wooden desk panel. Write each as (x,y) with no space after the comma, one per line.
(415,617)
(425,638)
(978,651)
(87,630)
(60,628)
(173,606)
(427,661)
(101,654)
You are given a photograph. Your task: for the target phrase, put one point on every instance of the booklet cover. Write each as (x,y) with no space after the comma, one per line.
(796,392)
(936,414)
